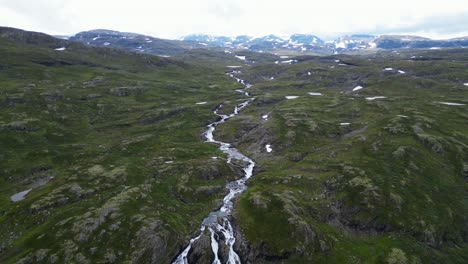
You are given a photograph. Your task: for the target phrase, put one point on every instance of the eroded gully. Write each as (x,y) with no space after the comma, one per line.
(217,222)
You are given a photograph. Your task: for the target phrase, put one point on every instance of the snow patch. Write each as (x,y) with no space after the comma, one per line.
(106,44)
(309,73)
(20,196)
(402,72)
(316,94)
(289,61)
(448,103)
(268,148)
(345,124)
(265,117)
(60,49)
(292,97)
(234,67)
(375,97)
(357,88)
(201,103)
(341,45)
(466,84)
(388,69)
(240,57)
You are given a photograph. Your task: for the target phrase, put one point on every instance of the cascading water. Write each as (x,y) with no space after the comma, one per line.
(217,222)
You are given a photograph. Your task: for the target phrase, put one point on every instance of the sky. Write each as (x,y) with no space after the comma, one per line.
(176,18)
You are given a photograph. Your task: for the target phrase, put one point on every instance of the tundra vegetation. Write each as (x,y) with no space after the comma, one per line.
(108,145)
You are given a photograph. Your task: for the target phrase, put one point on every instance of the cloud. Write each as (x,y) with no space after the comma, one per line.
(226,10)
(35,15)
(436,26)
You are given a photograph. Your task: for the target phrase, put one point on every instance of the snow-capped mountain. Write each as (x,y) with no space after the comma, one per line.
(305,43)
(136,42)
(296,43)
(205,39)
(355,42)
(414,42)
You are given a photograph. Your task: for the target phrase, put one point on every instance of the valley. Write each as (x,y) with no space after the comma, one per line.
(111,155)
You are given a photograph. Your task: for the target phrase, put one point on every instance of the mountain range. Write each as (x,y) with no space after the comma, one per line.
(296,43)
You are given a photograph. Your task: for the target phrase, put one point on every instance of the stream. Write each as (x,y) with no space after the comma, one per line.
(217,222)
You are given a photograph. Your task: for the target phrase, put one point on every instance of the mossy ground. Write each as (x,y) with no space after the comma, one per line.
(130,178)
(393,178)
(117,162)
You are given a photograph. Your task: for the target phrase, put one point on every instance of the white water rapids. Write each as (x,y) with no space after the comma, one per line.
(217,222)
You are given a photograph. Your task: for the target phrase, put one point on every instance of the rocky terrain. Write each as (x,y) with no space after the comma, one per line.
(358,158)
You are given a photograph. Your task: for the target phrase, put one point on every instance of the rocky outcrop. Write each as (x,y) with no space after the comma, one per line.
(201,251)
(151,118)
(86,225)
(150,243)
(127,91)
(26,125)
(52,96)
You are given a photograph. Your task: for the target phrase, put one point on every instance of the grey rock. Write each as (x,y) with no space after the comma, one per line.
(127,90)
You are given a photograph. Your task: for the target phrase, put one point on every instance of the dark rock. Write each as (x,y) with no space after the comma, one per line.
(93,96)
(19,126)
(93,83)
(201,250)
(208,190)
(41,169)
(14,99)
(127,91)
(52,96)
(152,118)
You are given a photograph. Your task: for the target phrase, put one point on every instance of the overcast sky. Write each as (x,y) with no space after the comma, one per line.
(175,18)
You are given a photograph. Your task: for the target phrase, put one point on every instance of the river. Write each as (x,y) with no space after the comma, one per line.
(217,222)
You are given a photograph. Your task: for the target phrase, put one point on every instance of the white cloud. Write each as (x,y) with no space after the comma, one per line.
(171,19)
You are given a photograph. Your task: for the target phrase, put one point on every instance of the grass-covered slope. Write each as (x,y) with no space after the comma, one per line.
(109,142)
(352,178)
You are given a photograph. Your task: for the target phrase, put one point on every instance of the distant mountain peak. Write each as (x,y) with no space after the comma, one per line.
(297,43)
(134,42)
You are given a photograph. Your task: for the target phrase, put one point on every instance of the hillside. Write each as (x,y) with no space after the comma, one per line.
(107,146)
(107,155)
(134,42)
(358,158)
